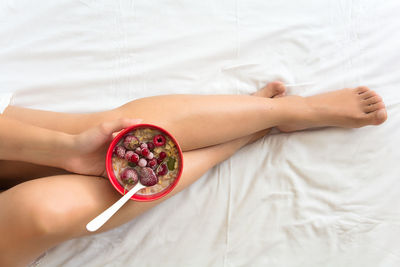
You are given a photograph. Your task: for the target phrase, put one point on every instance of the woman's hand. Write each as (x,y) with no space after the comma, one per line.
(89,148)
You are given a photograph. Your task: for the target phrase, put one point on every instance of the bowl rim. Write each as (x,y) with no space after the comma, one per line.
(110,171)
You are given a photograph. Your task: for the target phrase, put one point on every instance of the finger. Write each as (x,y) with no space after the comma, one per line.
(115,134)
(107,128)
(130,123)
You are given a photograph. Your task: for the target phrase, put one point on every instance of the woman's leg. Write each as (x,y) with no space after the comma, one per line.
(344,108)
(195,120)
(199,120)
(16,172)
(39,214)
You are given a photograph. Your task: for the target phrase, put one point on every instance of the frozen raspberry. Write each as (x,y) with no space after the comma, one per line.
(143,145)
(162,155)
(120,151)
(138,151)
(130,142)
(128,155)
(152,163)
(129,176)
(145,152)
(150,146)
(159,140)
(142,162)
(150,155)
(162,170)
(147,177)
(134,158)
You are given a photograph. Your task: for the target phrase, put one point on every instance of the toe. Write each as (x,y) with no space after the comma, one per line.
(279,88)
(377,117)
(279,95)
(274,89)
(372,100)
(374,107)
(361,89)
(368,94)
(381,116)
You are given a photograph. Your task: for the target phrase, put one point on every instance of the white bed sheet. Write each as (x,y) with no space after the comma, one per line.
(317,198)
(5,99)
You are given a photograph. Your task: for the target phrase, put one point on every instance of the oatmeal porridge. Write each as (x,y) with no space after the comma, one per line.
(146,155)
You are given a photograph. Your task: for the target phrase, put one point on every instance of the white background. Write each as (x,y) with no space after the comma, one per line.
(317,198)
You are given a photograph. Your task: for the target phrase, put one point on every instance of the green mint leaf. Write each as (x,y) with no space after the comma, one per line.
(171,163)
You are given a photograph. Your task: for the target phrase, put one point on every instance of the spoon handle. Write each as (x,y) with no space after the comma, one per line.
(103,217)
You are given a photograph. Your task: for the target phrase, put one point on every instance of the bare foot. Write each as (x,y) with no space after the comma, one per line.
(350,108)
(272,90)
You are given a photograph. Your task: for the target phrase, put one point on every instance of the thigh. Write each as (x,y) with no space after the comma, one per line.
(39,214)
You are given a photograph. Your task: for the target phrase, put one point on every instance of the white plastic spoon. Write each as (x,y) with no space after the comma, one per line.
(103,217)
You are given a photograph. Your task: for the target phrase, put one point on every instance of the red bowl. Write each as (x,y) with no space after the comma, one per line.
(110,171)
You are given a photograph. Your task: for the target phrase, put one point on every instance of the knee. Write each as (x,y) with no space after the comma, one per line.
(63,216)
(61,206)
(35,219)
(49,218)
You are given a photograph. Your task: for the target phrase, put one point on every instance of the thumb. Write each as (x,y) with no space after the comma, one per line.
(107,128)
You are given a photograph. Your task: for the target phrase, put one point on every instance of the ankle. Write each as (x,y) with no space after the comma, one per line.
(300,109)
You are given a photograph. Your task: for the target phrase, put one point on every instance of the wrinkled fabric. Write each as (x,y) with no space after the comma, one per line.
(325,197)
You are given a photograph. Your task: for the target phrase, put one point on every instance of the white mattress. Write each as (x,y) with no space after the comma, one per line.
(317,198)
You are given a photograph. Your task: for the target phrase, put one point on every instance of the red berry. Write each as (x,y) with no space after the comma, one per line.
(147,177)
(130,142)
(128,155)
(145,152)
(150,155)
(134,158)
(152,163)
(143,145)
(150,145)
(138,150)
(120,151)
(162,170)
(159,140)
(162,155)
(129,176)
(142,162)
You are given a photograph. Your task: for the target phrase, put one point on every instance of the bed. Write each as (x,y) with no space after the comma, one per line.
(315,198)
